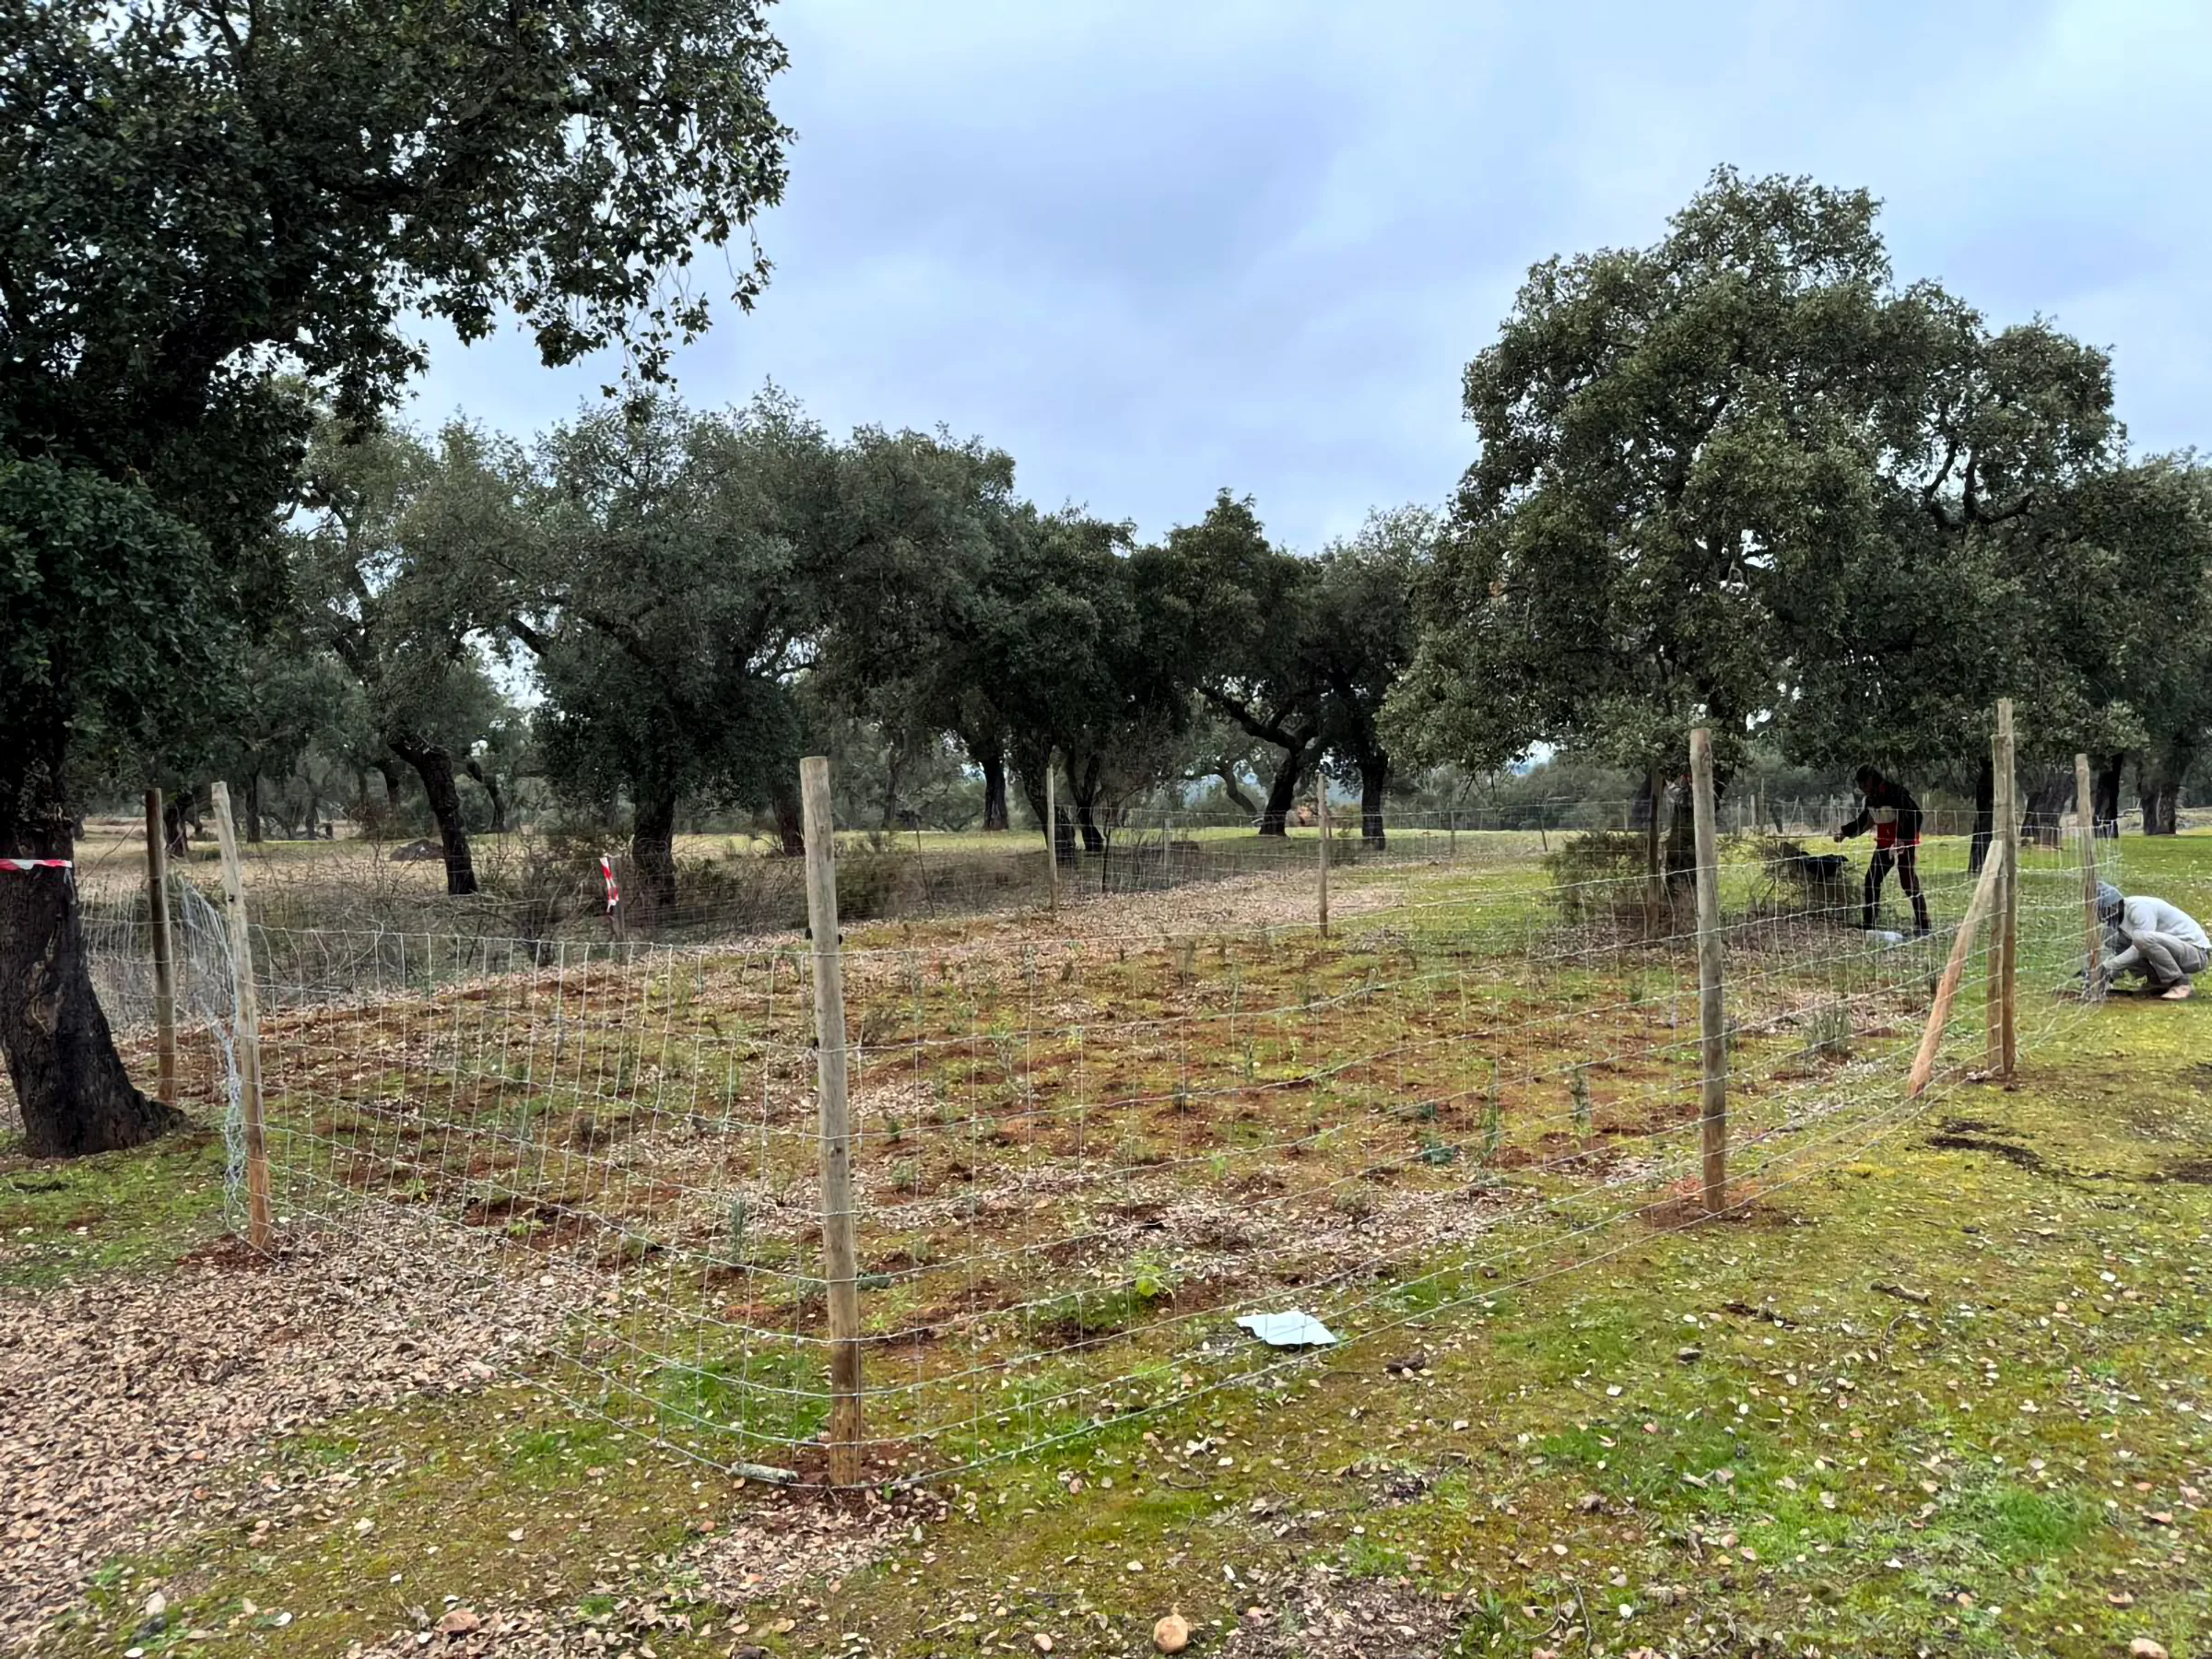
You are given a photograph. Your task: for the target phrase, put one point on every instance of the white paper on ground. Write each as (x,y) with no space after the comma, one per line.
(1291,1329)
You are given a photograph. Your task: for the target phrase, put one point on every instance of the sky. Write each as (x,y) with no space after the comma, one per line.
(1155,249)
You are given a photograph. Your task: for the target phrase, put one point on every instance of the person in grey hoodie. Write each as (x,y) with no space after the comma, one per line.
(2149,937)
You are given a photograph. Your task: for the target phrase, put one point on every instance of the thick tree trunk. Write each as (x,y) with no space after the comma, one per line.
(1233,787)
(435,768)
(1084,787)
(2049,800)
(175,824)
(389,771)
(1282,792)
(2160,784)
(254,807)
(1985,798)
(2105,791)
(70,1085)
(1373,775)
(490,783)
(995,791)
(652,848)
(791,828)
(1094,838)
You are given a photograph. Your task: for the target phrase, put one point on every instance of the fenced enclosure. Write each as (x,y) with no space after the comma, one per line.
(1084,1142)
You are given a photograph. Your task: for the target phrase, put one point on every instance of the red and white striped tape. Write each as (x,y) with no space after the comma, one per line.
(613,892)
(37,863)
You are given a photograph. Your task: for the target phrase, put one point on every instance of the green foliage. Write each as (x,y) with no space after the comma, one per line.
(111,611)
(1598,873)
(1726,479)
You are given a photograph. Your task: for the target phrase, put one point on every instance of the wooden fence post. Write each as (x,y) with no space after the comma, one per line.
(1947,989)
(259,1229)
(1321,800)
(165,979)
(2085,813)
(2005,844)
(1713,1013)
(839,1270)
(1052,839)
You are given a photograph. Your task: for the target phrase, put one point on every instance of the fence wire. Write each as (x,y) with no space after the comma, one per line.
(1086,1143)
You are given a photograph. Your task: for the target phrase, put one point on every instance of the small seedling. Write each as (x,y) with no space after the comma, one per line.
(1494,1118)
(1578,1093)
(1827,1030)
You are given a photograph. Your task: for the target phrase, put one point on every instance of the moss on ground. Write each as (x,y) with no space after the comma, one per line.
(118,1211)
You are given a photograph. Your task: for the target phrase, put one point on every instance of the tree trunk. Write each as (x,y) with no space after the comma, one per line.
(791,827)
(70,1085)
(1083,789)
(652,848)
(1986,799)
(1654,794)
(2160,784)
(1094,839)
(995,791)
(490,783)
(1374,774)
(2049,798)
(254,806)
(175,828)
(2105,791)
(390,773)
(1233,787)
(435,768)
(1681,840)
(1282,792)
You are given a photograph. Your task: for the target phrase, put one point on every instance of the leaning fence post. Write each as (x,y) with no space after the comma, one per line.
(1713,1014)
(2005,842)
(1947,989)
(1321,813)
(2085,813)
(258,1226)
(839,1270)
(165,982)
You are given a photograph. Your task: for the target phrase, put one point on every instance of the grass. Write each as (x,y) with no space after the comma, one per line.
(1936,1395)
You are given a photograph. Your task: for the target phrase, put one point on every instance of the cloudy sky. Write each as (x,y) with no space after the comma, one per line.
(1155,249)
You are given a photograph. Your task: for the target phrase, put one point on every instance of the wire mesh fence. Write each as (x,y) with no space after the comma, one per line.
(536,892)
(1087,1143)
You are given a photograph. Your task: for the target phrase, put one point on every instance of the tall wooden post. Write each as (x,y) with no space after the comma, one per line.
(2085,814)
(1713,1013)
(259,1227)
(165,980)
(2003,943)
(1321,812)
(1052,839)
(838,1272)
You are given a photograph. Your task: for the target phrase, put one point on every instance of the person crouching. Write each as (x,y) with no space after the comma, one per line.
(2145,935)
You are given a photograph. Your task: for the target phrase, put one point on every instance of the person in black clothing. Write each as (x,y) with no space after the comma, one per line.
(1894,816)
